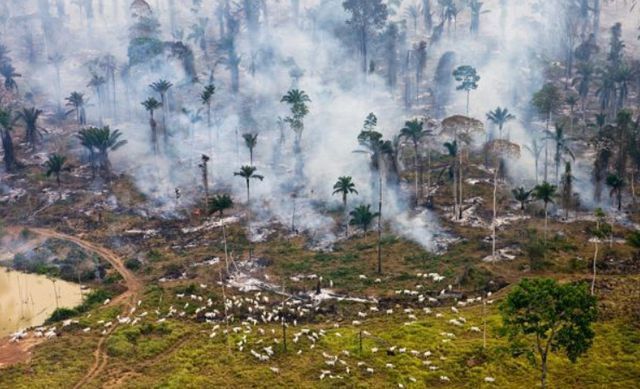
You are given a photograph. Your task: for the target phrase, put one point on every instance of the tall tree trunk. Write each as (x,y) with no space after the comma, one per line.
(380,218)
(493,232)
(546,222)
(595,258)
(416,161)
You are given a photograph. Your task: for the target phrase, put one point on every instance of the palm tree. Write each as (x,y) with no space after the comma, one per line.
(545,193)
(344,186)
(9,73)
(6,126)
(522,196)
(250,140)
(616,183)
(100,141)
(151,104)
(248,173)
(414,131)
(162,87)
(547,101)
(297,100)
(77,102)
(220,203)
(30,118)
(499,117)
(55,165)
(362,217)
(206,99)
(562,142)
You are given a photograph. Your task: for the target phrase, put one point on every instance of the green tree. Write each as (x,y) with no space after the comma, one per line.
(151,105)
(362,217)
(616,184)
(344,186)
(522,196)
(500,117)
(77,102)
(248,173)
(162,88)
(297,100)
(545,192)
(219,204)
(30,118)
(9,73)
(100,141)
(414,131)
(56,164)
(468,78)
(551,317)
(206,98)
(250,140)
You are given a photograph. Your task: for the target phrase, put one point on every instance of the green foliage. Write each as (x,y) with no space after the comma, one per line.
(143,49)
(362,217)
(61,314)
(219,204)
(550,317)
(535,250)
(521,195)
(547,100)
(544,192)
(633,239)
(467,76)
(133,264)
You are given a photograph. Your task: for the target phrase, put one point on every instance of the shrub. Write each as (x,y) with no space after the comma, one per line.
(61,314)
(133,264)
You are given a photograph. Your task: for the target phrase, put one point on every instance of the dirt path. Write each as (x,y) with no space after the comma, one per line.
(11,353)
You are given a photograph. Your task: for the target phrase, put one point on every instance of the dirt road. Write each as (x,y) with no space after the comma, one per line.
(11,353)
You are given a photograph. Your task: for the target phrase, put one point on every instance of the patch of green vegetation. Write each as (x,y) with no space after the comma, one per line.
(133,264)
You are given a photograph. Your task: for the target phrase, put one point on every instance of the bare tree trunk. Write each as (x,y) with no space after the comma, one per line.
(593,280)
(493,233)
(380,220)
